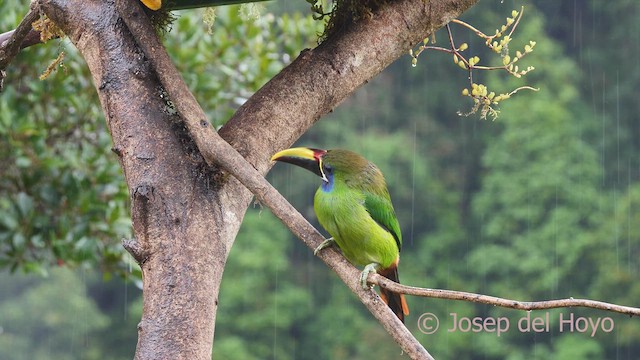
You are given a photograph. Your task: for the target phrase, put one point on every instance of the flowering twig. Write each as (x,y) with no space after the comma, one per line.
(483,99)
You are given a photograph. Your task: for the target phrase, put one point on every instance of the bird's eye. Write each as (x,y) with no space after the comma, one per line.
(327,169)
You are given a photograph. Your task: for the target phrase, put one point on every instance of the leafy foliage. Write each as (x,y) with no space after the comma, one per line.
(65,198)
(240,55)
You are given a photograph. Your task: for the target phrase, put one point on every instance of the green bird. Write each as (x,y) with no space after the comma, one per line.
(354,206)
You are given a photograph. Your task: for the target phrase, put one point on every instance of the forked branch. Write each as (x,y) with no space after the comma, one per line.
(216,150)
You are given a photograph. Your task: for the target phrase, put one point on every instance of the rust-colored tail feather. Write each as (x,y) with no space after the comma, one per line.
(396,301)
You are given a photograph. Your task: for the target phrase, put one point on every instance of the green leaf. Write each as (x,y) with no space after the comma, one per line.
(24,203)
(18,241)
(9,221)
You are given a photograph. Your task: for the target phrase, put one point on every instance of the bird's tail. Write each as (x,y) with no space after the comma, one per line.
(396,301)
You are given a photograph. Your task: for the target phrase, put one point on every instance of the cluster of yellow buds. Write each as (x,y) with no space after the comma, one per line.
(529,48)
(474,60)
(481,91)
(502,45)
(510,63)
(499,46)
(460,62)
(515,70)
(483,99)
(414,55)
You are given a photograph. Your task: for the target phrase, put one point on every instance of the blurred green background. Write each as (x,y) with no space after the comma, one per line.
(541,203)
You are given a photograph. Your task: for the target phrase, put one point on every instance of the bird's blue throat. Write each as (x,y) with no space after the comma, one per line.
(327,186)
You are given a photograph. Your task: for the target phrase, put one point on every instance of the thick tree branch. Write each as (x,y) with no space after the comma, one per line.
(321,78)
(496,301)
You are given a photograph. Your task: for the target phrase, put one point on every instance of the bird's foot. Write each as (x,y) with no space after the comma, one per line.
(325,244)
(371,268)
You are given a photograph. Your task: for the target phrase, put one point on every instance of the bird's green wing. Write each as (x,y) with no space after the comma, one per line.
(381,210)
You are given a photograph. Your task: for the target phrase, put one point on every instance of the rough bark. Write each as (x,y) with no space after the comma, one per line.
(186,213)
(183,229)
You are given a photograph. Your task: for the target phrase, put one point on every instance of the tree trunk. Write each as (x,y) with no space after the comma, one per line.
(183,219)
(186,213)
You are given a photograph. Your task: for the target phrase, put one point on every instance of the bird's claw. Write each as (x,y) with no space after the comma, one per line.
(371,268)
(325,244)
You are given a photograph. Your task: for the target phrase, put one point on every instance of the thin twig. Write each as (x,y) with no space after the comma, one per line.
(482,98)
(438,48)
(485,36)
(470,27)
(526,87)
(32,38)
(496,301)
(10,48)
(515,24)
(456,53)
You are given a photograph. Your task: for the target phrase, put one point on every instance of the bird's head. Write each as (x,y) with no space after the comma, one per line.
(329,163)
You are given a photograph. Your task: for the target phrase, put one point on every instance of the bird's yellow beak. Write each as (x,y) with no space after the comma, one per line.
(308,158)
(299,152)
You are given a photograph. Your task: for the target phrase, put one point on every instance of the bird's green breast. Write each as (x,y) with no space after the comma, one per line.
(343,214)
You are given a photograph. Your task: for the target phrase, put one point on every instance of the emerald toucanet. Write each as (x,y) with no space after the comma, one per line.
(354,206)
